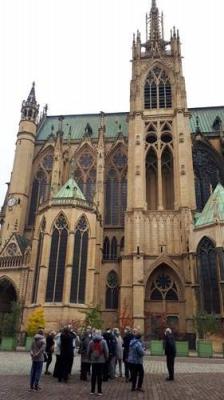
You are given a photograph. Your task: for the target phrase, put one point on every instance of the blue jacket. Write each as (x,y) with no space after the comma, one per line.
(136,352)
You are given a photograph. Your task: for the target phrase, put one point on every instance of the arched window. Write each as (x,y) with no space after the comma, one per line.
(56,269)
(152,180)
(116,189)
(106,248)
(208,173)
(41,185)
(163,285)
(112,291)
(79,265)
(167,179)
(38,261)
(113,255)
(122,244)
(208,276)
(157,90)
(85,174)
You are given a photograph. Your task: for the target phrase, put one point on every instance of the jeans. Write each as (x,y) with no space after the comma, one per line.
(97,374)
(35,373)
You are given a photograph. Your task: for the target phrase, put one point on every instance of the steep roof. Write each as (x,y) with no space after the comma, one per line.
(214,208)
(116,122)
(70,190)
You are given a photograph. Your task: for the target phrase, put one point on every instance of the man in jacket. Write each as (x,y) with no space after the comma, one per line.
(37,354)
(135,361)
(170,352)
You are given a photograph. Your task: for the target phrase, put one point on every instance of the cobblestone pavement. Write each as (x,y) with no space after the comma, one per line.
(196,379)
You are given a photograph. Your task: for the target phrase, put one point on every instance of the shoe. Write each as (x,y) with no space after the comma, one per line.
(92,392)
(31,389)
(169,379)
(133,389)
(37,388)
(99,394)
(140,390)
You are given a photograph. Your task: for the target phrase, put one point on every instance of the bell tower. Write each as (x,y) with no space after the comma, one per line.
(19,186)
(160,171)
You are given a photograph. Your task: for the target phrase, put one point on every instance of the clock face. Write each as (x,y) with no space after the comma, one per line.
(11,249)
(12,201)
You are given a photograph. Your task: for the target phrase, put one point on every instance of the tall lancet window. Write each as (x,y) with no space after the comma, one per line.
(79,265)
(208,170)
(152,180)
(116,188)
(38,261)
(157,90)
(56,269)
(167,179)
(208,276)
(112,291)
(85,173)
(41,185)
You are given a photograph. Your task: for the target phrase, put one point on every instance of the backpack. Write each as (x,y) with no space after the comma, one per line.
(97,350)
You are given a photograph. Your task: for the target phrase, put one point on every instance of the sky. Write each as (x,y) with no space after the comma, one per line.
(78,53)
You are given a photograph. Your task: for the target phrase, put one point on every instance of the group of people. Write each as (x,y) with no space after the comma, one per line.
(102,355)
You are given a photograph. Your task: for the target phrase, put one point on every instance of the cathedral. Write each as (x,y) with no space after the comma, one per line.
(120,211)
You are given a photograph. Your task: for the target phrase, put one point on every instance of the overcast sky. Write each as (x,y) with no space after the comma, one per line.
(78,53)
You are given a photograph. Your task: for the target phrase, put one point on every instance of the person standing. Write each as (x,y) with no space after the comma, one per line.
(128,336)
(98,353)
(85,363)
(49,350)
(37,354)
(170,352)
(66,355)
(135,360)
(119,350)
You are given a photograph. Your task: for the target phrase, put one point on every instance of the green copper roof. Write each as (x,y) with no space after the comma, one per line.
(77,123)
(70,190)
(117,122)
(207,116)
(214,208)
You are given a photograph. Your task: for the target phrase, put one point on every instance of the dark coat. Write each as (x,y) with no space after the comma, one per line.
(126,343)
(170,345)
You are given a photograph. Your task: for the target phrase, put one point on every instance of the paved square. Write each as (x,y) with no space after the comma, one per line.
(196,379)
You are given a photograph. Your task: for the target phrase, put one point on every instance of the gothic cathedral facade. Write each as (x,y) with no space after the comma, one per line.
(124,210)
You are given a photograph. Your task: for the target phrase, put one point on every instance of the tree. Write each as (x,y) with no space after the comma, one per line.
(11,321)
(35,321)
(93,318)
(205,323)
(125,317)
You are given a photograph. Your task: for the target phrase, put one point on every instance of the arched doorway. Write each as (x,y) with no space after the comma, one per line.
(8,295)
(164,303)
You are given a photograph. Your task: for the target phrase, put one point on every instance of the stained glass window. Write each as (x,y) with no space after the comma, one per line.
(38,262)
(106,249)
(79,265)
(116,189)
(157,90)
(208,171)
(41,185)
(55,280)
(208,276)
(112,291)
(85,174)
(163,285)
(113,249)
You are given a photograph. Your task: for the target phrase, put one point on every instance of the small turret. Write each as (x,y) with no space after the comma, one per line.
(30,108)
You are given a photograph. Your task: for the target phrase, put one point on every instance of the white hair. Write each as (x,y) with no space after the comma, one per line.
(168,331)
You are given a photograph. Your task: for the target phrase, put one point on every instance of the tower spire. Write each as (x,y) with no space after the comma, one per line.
(154,31)
(30,108)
